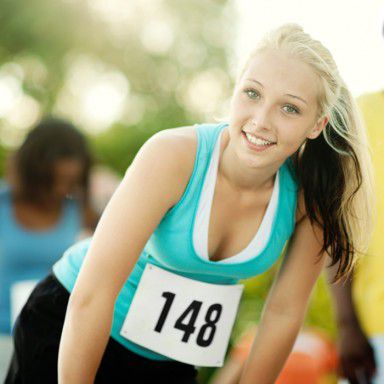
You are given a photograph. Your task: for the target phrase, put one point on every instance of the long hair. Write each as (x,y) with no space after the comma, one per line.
(334,170)
(33,163)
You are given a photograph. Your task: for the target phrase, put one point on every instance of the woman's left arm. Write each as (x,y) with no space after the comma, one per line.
(285,308)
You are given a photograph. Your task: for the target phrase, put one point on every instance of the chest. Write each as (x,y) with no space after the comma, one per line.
(234,221)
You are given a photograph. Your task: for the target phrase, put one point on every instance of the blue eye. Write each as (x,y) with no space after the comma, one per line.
(292,109)
(251,93)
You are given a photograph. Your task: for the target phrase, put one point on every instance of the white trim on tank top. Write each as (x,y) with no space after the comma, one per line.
(200,230)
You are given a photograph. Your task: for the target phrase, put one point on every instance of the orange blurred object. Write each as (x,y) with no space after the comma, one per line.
(312,360)
(300,368)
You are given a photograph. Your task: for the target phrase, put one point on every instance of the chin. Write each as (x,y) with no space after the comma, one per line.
(253,161)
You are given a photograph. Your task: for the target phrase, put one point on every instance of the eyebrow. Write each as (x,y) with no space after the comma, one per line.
(287,94)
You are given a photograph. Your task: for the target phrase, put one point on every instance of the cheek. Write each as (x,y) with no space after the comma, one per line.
(237,105)
(239,115)
(292,137)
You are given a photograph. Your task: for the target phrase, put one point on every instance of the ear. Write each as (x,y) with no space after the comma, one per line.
(318,128)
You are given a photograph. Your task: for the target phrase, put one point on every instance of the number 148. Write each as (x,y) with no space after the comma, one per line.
(207,331)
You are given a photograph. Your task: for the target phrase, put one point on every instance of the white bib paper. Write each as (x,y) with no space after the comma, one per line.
(181,318)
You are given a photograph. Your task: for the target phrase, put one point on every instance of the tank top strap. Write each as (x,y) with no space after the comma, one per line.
(206,138)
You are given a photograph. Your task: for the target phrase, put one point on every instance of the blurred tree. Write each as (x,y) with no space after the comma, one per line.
(37,35)
(165,62)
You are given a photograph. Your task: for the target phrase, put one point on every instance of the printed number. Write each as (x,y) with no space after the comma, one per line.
(211,318)
(169,297)
(189,328)
(210,324)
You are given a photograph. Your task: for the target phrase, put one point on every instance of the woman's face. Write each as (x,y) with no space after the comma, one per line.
(274,109)
(67,174)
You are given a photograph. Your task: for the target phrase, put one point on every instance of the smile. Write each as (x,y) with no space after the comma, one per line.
(257,142)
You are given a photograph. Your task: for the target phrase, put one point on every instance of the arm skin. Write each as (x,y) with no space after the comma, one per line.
(285,309)
(153,183)
(229,373)
(356,354)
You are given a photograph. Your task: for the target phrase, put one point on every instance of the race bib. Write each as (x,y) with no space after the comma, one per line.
(181,318)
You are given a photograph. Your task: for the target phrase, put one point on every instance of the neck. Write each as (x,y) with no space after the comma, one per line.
(239,176)
(47,204)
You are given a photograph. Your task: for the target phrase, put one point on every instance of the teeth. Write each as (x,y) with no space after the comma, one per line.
(256,140)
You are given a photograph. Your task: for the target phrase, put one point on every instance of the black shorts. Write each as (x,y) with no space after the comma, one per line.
(36,338)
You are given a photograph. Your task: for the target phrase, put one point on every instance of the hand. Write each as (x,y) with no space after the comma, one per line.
(356,355)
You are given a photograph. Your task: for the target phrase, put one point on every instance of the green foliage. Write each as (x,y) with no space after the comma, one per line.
(44,39)
(118,146)
(3,156)
(320,312)
(42,32)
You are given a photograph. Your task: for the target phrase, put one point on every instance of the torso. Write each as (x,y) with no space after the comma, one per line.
(235,218)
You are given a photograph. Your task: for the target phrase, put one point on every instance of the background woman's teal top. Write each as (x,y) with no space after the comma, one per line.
(171,247)
(27,254)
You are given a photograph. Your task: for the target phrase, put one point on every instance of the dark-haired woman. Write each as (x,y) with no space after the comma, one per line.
(43,208)
(154,293)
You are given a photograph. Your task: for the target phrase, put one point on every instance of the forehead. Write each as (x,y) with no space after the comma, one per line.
(283,74)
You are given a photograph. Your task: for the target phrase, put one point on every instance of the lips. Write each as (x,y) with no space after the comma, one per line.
(259,148)
(260,137)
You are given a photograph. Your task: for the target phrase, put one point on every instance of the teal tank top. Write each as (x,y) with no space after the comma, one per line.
(27,254)
(171,245)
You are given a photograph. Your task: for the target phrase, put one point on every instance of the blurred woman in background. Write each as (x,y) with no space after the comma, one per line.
(44,207)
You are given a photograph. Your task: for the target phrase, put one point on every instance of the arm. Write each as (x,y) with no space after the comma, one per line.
(229,373)
(153,183)
(356,354)
(286,305)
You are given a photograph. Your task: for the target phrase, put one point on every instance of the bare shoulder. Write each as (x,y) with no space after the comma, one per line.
(172,153)
(187,133)
(179,144)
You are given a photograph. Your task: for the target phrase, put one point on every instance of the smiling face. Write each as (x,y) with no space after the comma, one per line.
(274,109)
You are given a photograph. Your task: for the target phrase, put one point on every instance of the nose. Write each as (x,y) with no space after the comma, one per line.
(261,117)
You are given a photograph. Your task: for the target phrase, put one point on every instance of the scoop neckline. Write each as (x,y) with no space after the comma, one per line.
(220,262)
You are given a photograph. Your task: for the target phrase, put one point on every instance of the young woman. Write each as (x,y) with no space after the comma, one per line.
(38,217)
(154,292)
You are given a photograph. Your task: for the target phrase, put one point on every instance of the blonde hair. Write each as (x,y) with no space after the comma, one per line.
(341,153)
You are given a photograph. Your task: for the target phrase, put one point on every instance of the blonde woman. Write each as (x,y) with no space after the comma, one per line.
(200,208)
